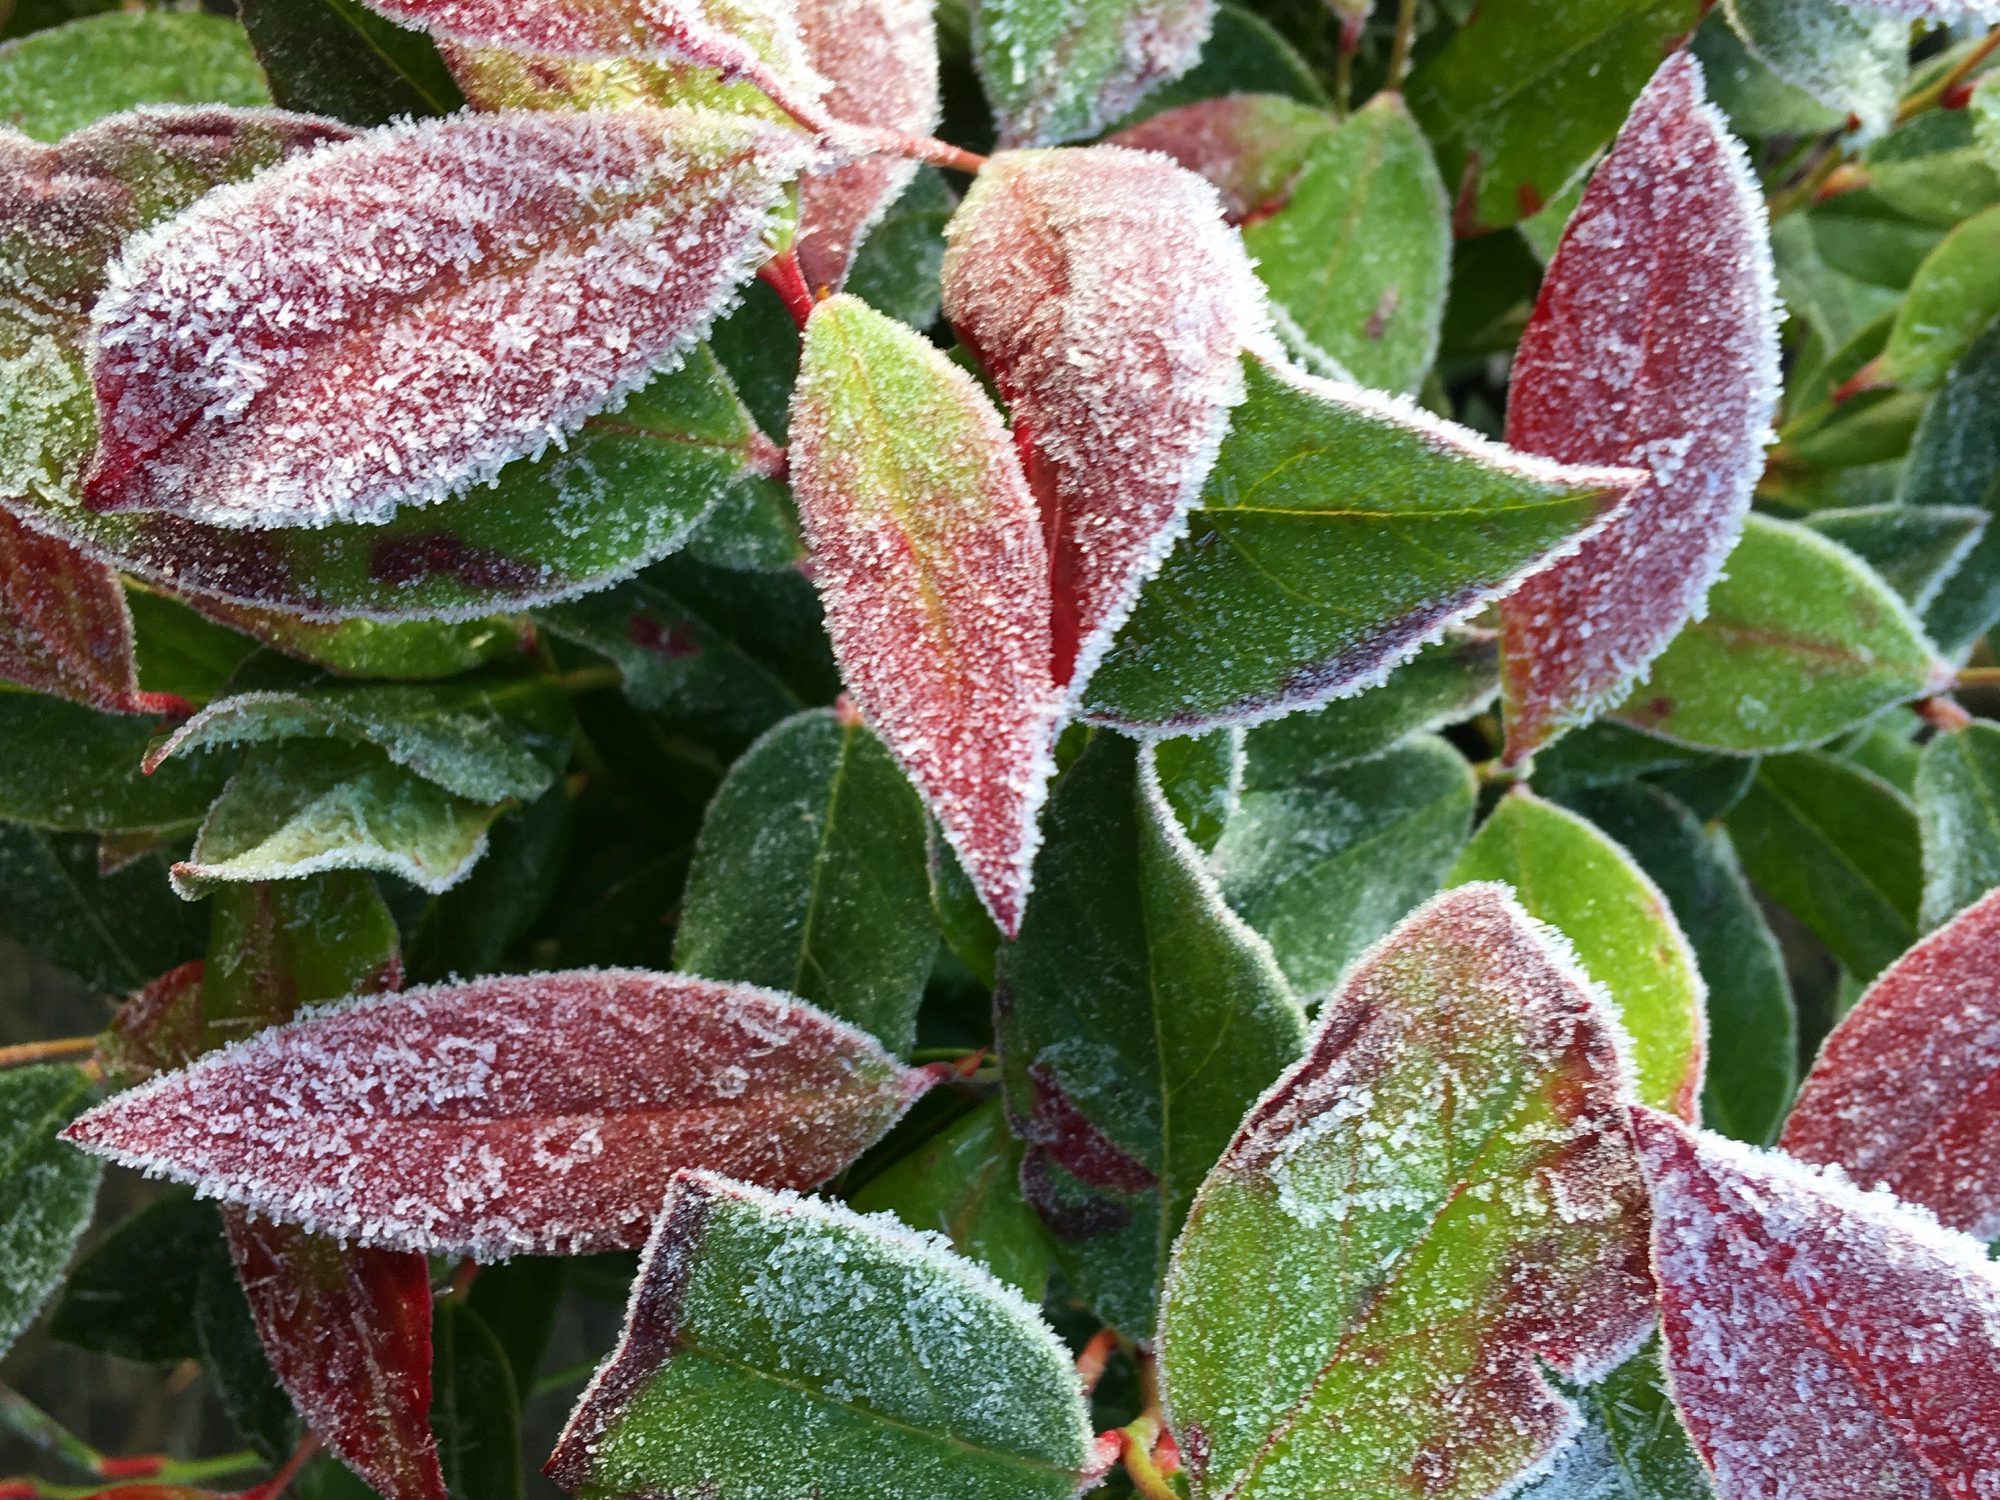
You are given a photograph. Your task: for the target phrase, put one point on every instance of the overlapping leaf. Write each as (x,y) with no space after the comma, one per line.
(1340,531)
(1914,548)
(1958,809)
(1839,53)
(338,58)
(64,627)
(901,1370)
(1654,344)
(1103,293)
(512,1115)
(1905,1094)
(1057,72)
(1952,299)
(1439,1198)
(1250,147)
(72,768)
(63,78)
(1954,459)
(390,322)
(1820,1340)
(929,556)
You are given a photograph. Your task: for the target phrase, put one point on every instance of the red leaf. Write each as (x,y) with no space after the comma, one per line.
(1821,1342)
(534,1115)
(158,1029)
(926,552)
(1110,302)
(390,321)
(1250,146)
(1653,345)
(348,1333)
(1906,1092)
(881,59)
(64,627)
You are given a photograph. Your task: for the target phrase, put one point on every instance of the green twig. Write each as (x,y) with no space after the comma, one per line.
(1399,50)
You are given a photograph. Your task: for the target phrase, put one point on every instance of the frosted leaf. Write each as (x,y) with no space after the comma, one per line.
(543,1114)
(1109,301)
(1936,10)
(64,627)
(1058,70)
(157,1029)
(891,1367)
(1653,344)
(1906,1092)
(47,1190)
(391,321)
(1849,58)
(929,557)
(756,40)
(881,57)
(1250,147)
(1958,812)
(1437,1202)
(1821,1341)
(347,1330)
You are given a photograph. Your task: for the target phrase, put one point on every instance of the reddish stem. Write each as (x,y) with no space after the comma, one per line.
(1942,713)
(879,142)
(782,275)
(1095,1356)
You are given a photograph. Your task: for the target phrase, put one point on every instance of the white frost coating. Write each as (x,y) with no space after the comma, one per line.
(392,320)
(1061,71)
(1936,10)
(1842,54)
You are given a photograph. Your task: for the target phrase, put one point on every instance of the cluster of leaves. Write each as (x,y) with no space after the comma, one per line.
(614,650)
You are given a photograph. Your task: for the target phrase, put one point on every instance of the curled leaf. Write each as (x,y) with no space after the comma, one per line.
(543,1114)
(1653,344)
(391,321)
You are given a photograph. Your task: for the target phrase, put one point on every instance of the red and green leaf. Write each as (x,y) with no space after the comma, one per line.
(1250,147)
(927,552)
(64,627)
(1438,1201)
(541,1114)
(1061,72)
(1906,1094)
(1819,1340)
(1108,300)
(1654,345)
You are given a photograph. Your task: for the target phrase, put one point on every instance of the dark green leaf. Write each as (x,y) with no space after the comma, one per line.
(1325,865)
(967,928)
(1914,548)
(47,1187)
(61,79)
(1631,1445)
(275,947)
(1932,169)
(234,1359)
(1885,747)
(1244,55)
(67,767)
(518,1301)
(475,1410)
(1952,299)
(1057,73)
(1848,59)
(117,930)
(134,1295)
(1958,807)
(1955,460)
(470,927)
(1201,777)
(810,877)
(896,270)
(336,57)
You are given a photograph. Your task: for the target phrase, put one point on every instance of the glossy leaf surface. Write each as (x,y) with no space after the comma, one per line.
(1958,809)
(1439,1196)
(541,1114)
(1058,72)
(338,58)
(1137,1017)
(47,1189)
(1567,873)
(904,1371)
(1662,287)
(1110,304)
(928,555)
(1778,1284)
(1341,531)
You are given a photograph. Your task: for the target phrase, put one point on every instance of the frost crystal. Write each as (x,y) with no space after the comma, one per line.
(881,59)
(534,1115)
(1821,1342)
(1107,297)
(390,321)
(1654,344)
(1906,1092)
(927,553)
(1062,71)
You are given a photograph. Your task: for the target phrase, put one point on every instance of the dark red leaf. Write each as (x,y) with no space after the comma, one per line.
(1906,1092)
(1821,1341)
(64,628)
(1111,304)
(1653,345)
(158,1029)
(543,1114)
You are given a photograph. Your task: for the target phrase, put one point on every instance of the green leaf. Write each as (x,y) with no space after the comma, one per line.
(1377,1239)
(60,80)
(134,1294)
(338,58)
(302,806)
(1752,1028)
(117,930)
(402,650)
(1359,253)
(179,651)
(1839,849)
(1958,809)
(1521,97)
(1863,237)
(1137,1017)
(47,1187)
(501,735)
(1631,1446)
(1914,548)
(1448,681)
(1951,300)
(1201,776)
(1757,102)
(812,877)
(896,270)
(1801,641)
(469,929)
(67,767)
(1058,70)
(1244,55)
(234,1359)
(1955,460)
(1833,304)
(1339,531)
(967,928)
(278,946)
(1932,169)
(1885,747)
(1849,59)
(475,1410)
(883,1365)
(1568,873)
(518,1301)
(965,1183)
(1324,865)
